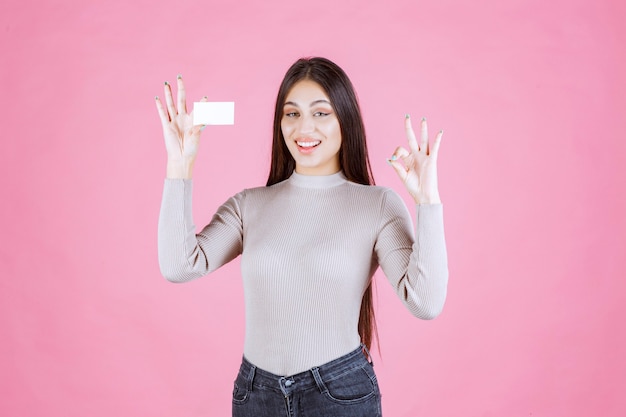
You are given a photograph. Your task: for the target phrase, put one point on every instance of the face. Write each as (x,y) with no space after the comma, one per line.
(311,129)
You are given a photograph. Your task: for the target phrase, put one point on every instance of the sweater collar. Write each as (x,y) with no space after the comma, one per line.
(317,181)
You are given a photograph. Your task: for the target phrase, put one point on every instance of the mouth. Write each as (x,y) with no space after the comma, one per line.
(308,143)
(307,146)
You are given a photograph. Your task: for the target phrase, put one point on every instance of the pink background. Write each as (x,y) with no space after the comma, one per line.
(531,95)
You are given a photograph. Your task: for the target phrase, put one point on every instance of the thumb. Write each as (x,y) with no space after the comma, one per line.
(195,130)
(398,167)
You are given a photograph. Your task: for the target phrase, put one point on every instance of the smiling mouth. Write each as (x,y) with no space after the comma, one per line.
(308,144)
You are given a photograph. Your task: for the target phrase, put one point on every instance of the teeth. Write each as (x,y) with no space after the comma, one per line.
(309,144)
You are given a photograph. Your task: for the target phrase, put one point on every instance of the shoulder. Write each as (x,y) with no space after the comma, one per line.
(264,189)
(376,199)
(254,194)
(388,202)
(377,192)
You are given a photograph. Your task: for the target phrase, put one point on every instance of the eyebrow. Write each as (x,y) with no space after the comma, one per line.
(311,105)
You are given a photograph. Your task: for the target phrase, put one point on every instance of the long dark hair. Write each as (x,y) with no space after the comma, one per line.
(353,156)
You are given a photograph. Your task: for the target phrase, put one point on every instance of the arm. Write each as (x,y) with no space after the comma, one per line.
(417,267)
(185,255)
(422,284)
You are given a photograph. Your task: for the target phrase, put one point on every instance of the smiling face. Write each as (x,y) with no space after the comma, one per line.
(311,129)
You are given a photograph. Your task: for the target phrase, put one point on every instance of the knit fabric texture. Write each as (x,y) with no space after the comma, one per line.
(309,247)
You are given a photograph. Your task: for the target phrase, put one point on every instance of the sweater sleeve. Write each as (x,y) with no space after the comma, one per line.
(185,255)
(415,265)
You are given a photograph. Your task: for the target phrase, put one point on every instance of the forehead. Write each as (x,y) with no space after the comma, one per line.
(305,92)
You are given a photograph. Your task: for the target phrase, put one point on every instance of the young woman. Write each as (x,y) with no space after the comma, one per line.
(310,242)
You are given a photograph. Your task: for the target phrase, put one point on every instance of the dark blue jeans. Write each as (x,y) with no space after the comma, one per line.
(344,387)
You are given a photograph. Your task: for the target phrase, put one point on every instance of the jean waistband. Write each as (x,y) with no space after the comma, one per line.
(329,371)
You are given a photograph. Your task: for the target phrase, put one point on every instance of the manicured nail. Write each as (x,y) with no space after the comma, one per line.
(205,98)
(441,132)
(166,83)
(407,116)
(156,97)
(203,127)
(388,161)
(393,157)
(180,77)
(423,119)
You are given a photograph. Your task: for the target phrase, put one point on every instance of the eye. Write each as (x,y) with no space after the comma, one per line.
(291,114)
(320,114)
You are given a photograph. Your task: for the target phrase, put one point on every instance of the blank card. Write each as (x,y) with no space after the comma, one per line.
(214,113)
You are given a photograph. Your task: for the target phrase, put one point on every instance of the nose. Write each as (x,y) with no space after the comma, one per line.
(307,124)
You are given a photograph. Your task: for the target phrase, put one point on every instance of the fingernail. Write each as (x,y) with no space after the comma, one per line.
(205,97)
(180,77)
(166,83)
(407,116)
(393,157)
(203,127)
(156,97)
(388,161)
(423,119)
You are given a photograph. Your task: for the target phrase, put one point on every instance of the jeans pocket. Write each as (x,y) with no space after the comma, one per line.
(352,387)
(240,390)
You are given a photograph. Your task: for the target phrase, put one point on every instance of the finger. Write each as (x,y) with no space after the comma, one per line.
(399,154)
(398,161)
(424,135)
(169,100)
(410,134)
(202,100)
(182,97)
(435,149)
(165,118)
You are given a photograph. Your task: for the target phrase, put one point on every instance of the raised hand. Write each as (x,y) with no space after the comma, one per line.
(181,136)
(417,168)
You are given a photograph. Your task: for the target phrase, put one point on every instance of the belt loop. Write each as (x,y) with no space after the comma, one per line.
(251,376)
(367,354)
(318,380)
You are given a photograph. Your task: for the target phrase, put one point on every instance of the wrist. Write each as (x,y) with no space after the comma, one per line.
(431,199)
(179,168)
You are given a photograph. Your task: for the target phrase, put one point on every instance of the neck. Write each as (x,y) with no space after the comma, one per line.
(317,181)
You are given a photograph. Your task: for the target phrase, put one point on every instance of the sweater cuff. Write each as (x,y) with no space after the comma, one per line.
(429,220)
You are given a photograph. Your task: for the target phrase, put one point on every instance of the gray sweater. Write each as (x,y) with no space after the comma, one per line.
(309,247)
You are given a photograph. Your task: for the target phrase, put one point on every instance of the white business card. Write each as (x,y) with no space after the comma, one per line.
(214,113)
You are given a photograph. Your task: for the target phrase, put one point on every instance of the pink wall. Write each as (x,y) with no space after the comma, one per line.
(531,95)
